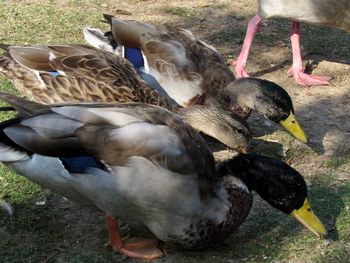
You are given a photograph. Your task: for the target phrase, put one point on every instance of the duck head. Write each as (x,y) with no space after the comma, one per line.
(278,184)
(225,126)
(266,97)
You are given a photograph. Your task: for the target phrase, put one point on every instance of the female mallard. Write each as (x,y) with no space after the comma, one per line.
(143,163)
(72,73)
(192,72)
(332,13)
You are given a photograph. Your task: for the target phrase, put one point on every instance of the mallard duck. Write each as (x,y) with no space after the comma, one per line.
(71,73)
(141,162)
(332,13)
(193,72)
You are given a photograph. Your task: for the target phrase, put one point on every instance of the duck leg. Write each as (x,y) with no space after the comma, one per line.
(241,62)
(297,68)
(131,247)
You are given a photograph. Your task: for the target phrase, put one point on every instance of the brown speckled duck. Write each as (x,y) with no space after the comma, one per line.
(141,162)
(72,73)
(193,72)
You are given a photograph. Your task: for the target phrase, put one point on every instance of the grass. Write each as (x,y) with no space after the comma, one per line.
(60,231)
(335,162)
(182,11)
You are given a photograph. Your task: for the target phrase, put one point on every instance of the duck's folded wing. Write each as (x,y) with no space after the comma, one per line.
(38,57)
(77,60)
(157,44)
(77,73)
(102,65)
(167,55)
(130,33)
(32,57)
(110,134)
(101,76)
(115,134)
(46,134)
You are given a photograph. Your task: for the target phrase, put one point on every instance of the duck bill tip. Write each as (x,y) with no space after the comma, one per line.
(292,126)
(306,217)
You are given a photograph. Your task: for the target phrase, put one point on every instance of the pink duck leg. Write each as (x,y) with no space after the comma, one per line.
(241,62)
(297,68)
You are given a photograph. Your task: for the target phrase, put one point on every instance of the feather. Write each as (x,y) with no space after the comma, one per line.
(52,125)
(11,154)
(6,207)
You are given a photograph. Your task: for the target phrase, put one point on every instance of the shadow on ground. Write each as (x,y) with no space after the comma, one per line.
(61,229)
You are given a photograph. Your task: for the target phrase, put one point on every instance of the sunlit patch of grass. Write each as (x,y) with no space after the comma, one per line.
(336,162)
(15,188)
(43,24)
(182,11)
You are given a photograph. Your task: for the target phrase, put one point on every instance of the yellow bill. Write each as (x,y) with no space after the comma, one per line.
(305,216)
(291,125)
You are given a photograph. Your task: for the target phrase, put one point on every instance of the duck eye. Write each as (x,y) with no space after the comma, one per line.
(240,131)
(309,209)
(293,122)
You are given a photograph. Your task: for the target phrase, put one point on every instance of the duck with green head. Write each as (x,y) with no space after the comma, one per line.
(143,163)
(193,72)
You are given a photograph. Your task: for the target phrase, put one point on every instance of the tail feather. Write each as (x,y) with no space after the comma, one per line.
(6,206)
(8,108)
(25,107)
(107,19)
(98,39)
(127,32)
(5,47)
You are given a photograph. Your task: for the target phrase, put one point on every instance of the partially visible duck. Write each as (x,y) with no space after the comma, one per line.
(193,72)
(72,73)
(332,13)
(143,163)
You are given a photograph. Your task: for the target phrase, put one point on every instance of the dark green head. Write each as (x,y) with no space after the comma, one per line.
(266,97)
(276,182)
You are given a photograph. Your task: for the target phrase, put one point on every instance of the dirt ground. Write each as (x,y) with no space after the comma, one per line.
(322,111)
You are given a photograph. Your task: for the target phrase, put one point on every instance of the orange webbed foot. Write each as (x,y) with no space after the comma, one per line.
(133,247)
(139,248)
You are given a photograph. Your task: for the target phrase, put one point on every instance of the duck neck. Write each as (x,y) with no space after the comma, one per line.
(239,98)
(240,167)
(201,118)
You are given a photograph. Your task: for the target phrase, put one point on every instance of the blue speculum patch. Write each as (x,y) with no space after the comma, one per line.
(54,73)
(80,164)
(134,55)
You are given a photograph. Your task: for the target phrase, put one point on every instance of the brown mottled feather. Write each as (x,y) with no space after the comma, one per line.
(91,75)
(156,42)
